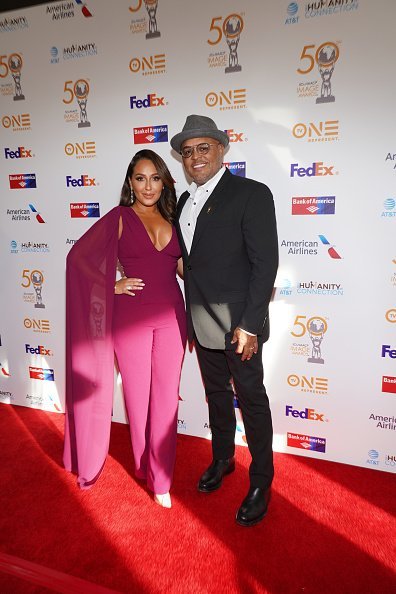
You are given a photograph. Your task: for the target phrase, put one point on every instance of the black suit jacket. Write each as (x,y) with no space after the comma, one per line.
(230,272)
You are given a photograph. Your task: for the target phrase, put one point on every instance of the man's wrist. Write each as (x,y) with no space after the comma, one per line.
(246,332)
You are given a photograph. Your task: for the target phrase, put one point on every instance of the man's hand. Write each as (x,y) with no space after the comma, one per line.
(247,345)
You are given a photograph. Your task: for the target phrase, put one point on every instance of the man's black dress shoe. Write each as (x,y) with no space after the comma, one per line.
(213,476)
(254,507)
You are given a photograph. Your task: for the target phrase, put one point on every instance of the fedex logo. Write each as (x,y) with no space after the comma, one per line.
(20,153)
(387,351)
(234,136)
(38,350)
(316,169)
(150,101)
(81,182)
(308,413)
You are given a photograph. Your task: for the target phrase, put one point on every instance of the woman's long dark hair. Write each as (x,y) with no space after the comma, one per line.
(167,202)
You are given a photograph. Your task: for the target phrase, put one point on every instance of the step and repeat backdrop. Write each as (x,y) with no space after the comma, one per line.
(305,91)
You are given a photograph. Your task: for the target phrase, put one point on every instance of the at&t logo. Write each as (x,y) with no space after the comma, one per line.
(232,99)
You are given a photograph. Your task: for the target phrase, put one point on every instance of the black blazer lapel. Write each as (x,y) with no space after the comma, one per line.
(210,206)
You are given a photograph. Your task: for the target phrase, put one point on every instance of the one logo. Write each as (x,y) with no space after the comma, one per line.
(313,205)
(232,99)
(84,181)
(20,153)
(330,249)
(42,326)
(312,385)
(151,100)
(22,181)
(150,65)
(34,279)
(389,384)
(390,315)
(237,168)
(84,210)
(316,169)
(81,150)
(389,208)
(307,414)
(38,350)
(306,442)
(16,122)
(386,351)
(316,327)
(150,134)
(235,136)
(39,373)
(317,132)
(390,460)
(79,91)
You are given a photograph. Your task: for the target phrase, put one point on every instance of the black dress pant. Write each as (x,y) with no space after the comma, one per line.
(217,368)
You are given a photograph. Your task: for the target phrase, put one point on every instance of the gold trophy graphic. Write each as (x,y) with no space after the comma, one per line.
(15,65)
(317,328)
(232,28)
(81,91)
(151,7)
(37,279)
(326,56)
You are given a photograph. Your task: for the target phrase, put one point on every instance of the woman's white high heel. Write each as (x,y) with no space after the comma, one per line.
(163,500)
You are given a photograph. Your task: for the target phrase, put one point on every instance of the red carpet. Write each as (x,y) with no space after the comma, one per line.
(330,527)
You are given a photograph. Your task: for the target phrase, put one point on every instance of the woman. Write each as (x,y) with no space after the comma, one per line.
(144,323)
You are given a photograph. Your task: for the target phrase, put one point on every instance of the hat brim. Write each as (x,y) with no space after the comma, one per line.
(177,140)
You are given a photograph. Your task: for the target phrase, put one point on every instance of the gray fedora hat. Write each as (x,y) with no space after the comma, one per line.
(198,126)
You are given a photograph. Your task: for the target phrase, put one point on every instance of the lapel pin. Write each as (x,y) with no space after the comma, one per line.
(209,209)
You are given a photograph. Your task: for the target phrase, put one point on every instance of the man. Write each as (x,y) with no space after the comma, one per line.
(227,231)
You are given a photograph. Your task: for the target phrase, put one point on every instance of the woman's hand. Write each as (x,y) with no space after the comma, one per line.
(126,286)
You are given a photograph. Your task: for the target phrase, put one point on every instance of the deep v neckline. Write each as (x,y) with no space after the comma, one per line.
(147,233)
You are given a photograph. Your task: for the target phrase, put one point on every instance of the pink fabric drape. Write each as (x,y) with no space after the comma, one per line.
(90,276)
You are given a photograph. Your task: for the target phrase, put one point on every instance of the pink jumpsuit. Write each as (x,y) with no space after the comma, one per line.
(149,340)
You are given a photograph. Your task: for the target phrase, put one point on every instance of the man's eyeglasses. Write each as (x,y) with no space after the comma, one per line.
(202,148)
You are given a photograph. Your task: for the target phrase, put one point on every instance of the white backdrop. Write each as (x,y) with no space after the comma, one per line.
(306,93)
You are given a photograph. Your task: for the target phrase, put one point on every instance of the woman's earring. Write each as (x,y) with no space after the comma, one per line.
(132,196)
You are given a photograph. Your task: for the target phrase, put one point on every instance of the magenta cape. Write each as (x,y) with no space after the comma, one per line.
(90,276)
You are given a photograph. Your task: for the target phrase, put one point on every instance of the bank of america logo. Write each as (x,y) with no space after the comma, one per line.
(150,134)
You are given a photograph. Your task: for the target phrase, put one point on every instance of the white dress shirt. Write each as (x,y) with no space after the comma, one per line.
(193,206)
